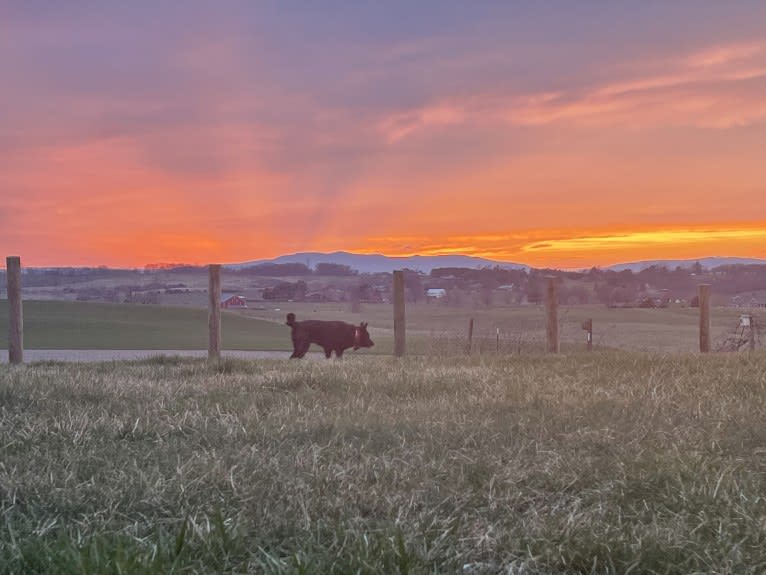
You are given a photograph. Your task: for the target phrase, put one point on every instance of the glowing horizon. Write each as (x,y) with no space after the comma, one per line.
(538,249)
(248,131)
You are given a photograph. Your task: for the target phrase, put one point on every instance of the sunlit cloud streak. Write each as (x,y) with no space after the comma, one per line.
(719,87)
(575,246)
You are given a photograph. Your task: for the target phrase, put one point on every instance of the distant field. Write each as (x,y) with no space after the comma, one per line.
(656,330)
(430,328)
(78,325)
(584,463)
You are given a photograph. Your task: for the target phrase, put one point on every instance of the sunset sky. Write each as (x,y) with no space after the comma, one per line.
(564,134)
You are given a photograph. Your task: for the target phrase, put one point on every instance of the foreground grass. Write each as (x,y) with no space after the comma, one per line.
(601,463)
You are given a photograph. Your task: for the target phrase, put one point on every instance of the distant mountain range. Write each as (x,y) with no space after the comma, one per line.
(372,263)
(706,263)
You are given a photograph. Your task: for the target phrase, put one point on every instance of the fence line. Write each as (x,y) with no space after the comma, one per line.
(551,322)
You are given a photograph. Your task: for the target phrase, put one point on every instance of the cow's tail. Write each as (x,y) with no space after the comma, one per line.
(290,319)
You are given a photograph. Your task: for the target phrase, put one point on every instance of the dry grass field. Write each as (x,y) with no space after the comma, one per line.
(611,462)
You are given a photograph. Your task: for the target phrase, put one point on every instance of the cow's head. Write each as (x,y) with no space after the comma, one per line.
(361,337)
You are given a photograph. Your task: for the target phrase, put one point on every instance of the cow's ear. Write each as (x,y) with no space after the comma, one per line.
(363,324)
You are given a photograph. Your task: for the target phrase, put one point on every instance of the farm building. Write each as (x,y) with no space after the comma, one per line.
(233,302)
(436,293)
(748,302)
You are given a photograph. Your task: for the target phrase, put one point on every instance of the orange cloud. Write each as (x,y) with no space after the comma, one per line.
(576,248)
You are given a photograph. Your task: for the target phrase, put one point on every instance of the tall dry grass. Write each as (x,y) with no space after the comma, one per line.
(600,463)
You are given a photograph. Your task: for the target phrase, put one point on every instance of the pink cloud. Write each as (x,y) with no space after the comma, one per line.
(400,126)
(718,88)
(717,55)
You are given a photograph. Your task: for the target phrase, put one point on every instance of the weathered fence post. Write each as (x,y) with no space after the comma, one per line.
(15,314)
(587,325)
(552,316)
(704,301)
(470,335)
(399,315)
(214,312)
(753,333)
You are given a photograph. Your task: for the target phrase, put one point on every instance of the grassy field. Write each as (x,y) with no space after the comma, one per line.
(77,325)
(669,330)
(430,328)
(611,462)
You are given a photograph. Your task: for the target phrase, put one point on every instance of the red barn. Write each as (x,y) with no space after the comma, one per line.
(233,302)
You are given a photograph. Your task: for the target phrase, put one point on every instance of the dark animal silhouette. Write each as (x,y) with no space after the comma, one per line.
(331,336)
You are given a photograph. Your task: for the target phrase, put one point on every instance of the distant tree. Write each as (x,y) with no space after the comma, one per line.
(454,297)
(534,290)
(413,285)
(331,269)
(573,294)
(356,300)
(695,301)
(485,296)
(277,270)
(286,291)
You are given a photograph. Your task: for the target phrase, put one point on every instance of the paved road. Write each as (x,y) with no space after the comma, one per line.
(90,355)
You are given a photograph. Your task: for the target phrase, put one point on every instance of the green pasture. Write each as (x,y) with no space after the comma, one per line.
(431,328)
(79,325)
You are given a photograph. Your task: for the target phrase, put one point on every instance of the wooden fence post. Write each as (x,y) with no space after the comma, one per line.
(704,301)
(15,314)
(753,333)
(552,316)
(587,325)
(399,315)
(214,312)
(470,335)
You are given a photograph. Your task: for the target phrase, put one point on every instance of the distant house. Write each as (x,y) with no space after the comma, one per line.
(233,302)
(743,301)
(316,297)
(436,293)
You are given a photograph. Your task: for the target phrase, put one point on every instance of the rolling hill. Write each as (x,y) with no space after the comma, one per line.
(706,263)
(372,263)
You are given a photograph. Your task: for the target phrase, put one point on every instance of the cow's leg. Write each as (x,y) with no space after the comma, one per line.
(327,352)
(297,343)
(300,347)
(339,352)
